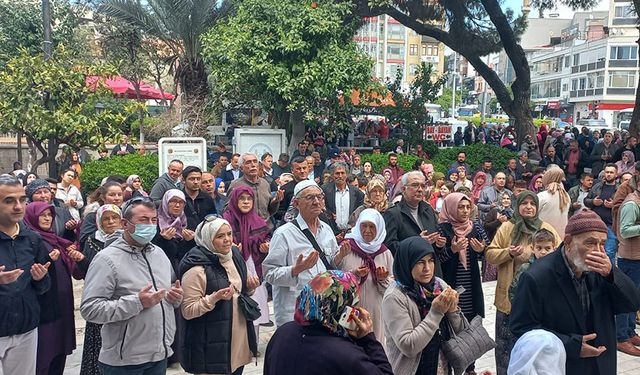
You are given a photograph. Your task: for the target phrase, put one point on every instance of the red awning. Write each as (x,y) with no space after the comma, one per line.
(614,106)
(553,104)
(121,86)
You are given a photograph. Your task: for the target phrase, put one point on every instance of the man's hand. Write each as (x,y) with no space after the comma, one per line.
(588,351)
(175,293)
(576,205)
(608,203)
(149,299)
(303,264)
(477,246)
(597,201)
(598,262)
(515,251)
(39,271)
(278,197)
(7,277)
(168,233)
(188,234)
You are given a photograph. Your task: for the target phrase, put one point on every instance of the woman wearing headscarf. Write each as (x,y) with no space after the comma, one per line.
(173,236)
(511,247)
(627,164)
(416,310)
(134,188)
(56,333)
(554,200)
(108,222)
(220,198)
(390,182)
(217,337)
(536,185)
(251,232)
(372,263)
(374,197)
(316,344)
(480,181)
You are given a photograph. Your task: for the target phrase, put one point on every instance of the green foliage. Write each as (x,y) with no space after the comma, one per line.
(145,166)
(409,109)
(477,120)
(475,154)
(287,54)
(49,101)
(380,161)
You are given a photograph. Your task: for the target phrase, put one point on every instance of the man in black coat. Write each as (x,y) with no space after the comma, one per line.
(340,199)
(412,216)
(575,293)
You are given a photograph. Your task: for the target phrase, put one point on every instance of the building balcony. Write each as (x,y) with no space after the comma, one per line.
(623,63)
(588,67)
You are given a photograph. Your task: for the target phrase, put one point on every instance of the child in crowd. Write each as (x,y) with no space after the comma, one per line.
(544,243)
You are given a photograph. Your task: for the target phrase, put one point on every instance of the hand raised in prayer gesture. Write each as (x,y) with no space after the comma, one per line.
(459,244)
(168,233)
(54,254)
(345,248)
(515,251)
(588,351)
(253,282)
(8,277)
(304,263)
(382,273)
(361,271)
(223,294)
(74,254)
(174,296)
(477,246)
(188,234)
(264,247)
(148,298)
(39,271)
(364,324)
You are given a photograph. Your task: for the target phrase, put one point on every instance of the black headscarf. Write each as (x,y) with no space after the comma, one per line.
(409,253)
(525,228)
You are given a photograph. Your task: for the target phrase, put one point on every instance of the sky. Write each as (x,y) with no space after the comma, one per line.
(562,11)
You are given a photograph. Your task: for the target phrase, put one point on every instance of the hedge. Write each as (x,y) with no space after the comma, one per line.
(477,120)
(145,166)
(476,153)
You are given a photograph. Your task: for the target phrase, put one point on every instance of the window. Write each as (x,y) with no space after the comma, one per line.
(413,69)
(600,80)
(576,59)
(395,31)
(622,79)
(624,11)
(424,50)
(432,50)
(395,51)
(582,83)
(574,84)
(624,52)
(413,50)
(591,81)
(567,61)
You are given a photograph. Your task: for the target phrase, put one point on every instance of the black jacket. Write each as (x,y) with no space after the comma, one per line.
(310,350)
(175,248)
(356,199)
(546,161)
(206,344)
(197,209)
(227,177)
(19,306)
(546,299)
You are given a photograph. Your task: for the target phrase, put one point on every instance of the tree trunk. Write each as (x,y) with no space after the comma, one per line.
(297,129)
(45,155)
(634,126)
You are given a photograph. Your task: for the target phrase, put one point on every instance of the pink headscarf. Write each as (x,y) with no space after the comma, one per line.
(449,214)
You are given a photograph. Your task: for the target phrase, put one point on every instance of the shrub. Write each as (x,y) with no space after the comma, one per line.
(146,166)
(380,161)
(475,155)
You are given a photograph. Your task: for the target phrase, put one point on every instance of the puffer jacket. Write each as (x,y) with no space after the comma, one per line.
(131,334)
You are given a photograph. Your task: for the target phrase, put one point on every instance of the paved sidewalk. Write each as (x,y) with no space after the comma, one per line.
(627,365)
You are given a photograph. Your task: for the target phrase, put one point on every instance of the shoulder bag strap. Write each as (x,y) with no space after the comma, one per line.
(314,243)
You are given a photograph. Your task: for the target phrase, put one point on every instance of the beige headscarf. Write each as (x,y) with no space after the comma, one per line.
(206,232)
(376,183)
(552,181)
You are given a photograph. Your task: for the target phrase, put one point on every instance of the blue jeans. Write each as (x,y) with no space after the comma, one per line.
(611,246)
(626,323)
(151,368)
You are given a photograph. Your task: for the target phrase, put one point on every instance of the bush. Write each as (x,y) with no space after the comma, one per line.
(146,166)
(475,155)
(380,161)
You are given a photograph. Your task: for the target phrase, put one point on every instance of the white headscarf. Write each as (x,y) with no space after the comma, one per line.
(206,232)
(372,216)
(538,352)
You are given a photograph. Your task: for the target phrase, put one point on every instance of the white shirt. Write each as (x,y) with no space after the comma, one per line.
(581,196)
(286,244)
(72,192)
(342,208)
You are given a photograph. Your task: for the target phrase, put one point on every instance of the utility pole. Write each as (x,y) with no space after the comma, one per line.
(453,92)
(46,27)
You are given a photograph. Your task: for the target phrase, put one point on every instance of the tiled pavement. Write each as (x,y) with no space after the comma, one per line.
(627,365)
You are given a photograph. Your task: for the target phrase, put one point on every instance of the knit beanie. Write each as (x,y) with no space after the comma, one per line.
(34,186)
(585,221)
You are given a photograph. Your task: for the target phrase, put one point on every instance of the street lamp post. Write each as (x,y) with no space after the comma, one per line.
(453,92)
(46,27)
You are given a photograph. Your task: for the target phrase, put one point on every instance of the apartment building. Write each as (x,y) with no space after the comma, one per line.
(395,47)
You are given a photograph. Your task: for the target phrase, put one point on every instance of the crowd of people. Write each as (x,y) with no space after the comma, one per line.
(369,272)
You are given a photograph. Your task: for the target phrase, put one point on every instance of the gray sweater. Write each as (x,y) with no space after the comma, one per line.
(131,334)
(162,184)
(406,333)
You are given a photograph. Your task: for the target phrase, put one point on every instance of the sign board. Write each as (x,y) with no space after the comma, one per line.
(189,150)
(260,141)
(438,132)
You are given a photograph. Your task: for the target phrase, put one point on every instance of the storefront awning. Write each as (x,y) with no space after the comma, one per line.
(614,106)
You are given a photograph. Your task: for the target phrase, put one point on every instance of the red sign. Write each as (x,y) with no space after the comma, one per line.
(553,104)
(438,132)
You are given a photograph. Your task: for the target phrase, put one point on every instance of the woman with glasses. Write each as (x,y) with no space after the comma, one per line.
(218,339)
(109,193)
(134,188)
(57,324)
(173,236)
(375,197)
(107,221)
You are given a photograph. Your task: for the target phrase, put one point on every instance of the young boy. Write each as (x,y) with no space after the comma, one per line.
(544,243)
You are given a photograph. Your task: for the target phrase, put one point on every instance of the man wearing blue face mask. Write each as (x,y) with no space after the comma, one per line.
(129,289)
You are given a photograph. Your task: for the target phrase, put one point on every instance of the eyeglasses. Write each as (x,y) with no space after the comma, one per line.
(417,185)
(177,202)
(312,197)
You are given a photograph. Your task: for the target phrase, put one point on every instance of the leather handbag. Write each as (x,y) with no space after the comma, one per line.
(248,306)
(467,346)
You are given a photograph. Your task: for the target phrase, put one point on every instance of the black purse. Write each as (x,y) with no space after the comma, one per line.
(248,306)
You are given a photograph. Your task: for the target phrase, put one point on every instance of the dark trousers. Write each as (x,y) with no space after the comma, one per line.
(626,323)
(505,340)
(151,368)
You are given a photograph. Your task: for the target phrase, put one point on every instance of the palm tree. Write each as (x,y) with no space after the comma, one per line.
(179,24)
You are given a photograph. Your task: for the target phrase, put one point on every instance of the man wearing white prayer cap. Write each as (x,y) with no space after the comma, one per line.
(293,260)
(538,352)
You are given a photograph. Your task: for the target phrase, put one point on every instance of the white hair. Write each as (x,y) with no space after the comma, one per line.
(405,177)
(244,155)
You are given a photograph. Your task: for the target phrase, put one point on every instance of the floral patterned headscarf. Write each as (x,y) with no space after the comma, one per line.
(325,297)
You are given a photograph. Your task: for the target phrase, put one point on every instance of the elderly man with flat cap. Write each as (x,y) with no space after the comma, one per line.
(300,250)
(575,293)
